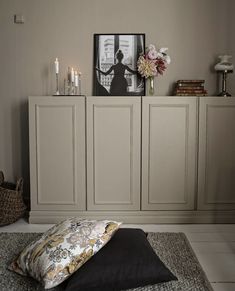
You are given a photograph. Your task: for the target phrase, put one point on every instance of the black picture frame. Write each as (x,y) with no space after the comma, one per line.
(115,64)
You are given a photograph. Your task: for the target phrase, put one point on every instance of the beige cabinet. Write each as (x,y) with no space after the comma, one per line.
(133,159)
(169,134)
(57,153)
(113,153)
(216,186)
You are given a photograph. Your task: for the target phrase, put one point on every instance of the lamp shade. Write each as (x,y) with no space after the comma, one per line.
(224,64)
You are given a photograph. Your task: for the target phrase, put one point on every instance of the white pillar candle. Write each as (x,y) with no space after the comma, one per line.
(56,66)
(72,75)
(76,79)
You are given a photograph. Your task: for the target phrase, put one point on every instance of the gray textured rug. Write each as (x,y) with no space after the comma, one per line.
(172,248)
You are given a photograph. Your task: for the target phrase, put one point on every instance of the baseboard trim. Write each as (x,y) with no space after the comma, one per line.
(139,217)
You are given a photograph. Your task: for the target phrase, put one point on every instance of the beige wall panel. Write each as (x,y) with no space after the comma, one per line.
(113,153)
(57,148)
(169,153)
(217,153)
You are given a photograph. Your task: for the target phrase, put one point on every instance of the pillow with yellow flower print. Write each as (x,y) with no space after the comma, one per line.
(63,249)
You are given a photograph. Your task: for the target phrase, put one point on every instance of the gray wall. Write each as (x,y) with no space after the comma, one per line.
(231,42)
(195,31)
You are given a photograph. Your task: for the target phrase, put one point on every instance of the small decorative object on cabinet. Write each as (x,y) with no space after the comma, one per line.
(57,92)
(151,86)
(148,159)
(151,64)
(115,64)
(72,82)
(190,88)
(224,67)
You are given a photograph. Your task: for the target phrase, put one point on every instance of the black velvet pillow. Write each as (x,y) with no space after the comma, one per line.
(126,261)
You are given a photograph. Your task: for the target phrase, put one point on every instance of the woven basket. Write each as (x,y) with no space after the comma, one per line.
(12,206)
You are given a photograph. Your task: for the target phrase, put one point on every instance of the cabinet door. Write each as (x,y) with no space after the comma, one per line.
(216,153)
(113,153)
(169,134)
(57,153)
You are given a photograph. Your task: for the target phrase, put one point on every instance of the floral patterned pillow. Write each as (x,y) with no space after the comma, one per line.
(63,249)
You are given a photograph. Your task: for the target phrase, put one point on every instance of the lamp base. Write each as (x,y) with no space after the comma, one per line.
(224,94)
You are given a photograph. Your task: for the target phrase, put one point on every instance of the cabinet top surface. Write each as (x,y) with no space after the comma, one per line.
(75,96)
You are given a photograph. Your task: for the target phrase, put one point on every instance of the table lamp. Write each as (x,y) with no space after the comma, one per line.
(224,67)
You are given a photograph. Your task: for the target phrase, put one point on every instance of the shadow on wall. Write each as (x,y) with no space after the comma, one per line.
(24,145)
(217,78)
(171,89)
(47,75)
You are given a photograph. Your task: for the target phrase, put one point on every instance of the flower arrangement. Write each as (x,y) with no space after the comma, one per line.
(153,62)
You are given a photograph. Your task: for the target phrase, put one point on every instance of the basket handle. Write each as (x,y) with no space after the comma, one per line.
(1,177)
(19,184)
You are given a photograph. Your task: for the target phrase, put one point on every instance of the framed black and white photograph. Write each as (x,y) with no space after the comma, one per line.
(115,65)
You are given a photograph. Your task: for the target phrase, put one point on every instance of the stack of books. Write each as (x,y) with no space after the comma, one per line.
(190,88)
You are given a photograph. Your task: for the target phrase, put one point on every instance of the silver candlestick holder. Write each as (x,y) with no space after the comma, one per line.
(80,85)
(57,84)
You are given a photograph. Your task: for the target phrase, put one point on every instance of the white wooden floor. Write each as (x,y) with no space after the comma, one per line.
(214,245)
